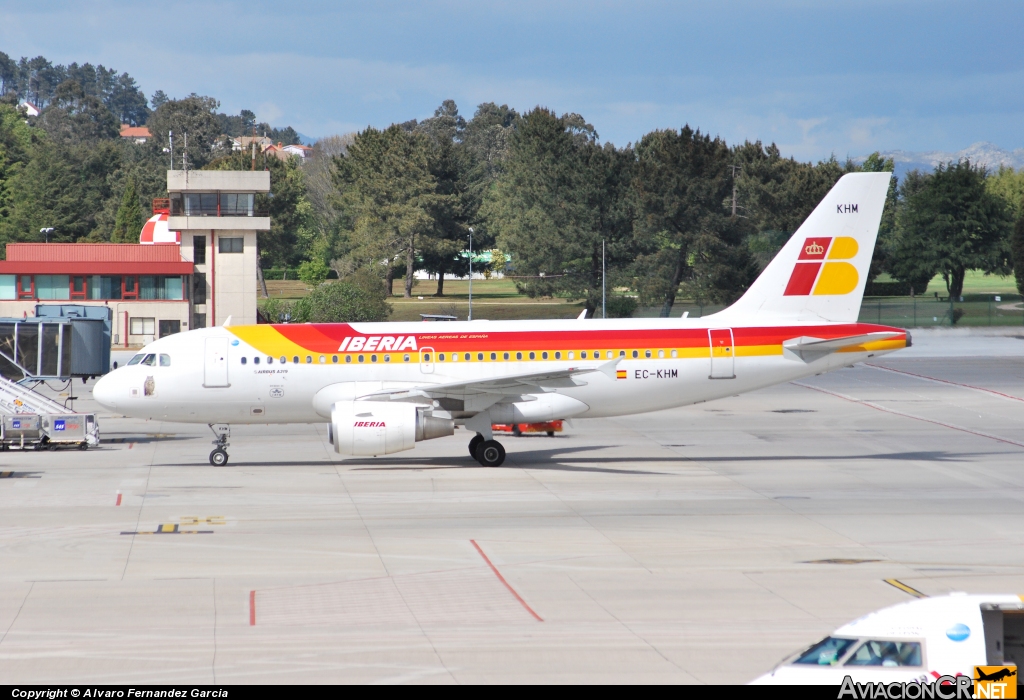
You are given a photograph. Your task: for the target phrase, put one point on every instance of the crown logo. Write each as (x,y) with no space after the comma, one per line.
(814,249)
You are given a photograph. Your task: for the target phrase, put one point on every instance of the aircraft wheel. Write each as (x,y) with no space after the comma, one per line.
(473,444)
(551,433)
(219,457)
(490,453)
(83,446)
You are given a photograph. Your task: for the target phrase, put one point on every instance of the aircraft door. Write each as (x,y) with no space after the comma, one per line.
(722,353)
(427,360)
(215,367)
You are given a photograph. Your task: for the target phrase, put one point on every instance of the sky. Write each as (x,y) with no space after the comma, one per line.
(843,77)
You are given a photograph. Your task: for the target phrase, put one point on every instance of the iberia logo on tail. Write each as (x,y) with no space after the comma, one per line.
(820,268)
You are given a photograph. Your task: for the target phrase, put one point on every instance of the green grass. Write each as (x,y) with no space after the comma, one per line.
(974,283)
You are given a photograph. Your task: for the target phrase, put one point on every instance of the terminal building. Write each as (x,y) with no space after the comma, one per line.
(195,265)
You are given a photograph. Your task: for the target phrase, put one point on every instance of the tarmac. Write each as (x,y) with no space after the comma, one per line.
(696,545)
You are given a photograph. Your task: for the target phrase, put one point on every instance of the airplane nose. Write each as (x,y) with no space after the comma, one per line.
(104,392)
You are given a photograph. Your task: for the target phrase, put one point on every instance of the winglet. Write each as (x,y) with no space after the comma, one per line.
(583,315)
(608,368)
(227,321)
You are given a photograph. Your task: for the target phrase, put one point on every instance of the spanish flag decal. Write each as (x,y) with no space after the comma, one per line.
(620,374)
(821,267)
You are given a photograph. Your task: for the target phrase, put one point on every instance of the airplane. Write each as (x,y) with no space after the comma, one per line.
(921,640)
(383,387)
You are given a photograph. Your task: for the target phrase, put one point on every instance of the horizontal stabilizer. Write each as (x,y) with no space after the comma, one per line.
(809,349)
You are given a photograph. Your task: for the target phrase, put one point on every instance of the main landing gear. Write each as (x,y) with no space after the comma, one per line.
(489,453)
(221,433)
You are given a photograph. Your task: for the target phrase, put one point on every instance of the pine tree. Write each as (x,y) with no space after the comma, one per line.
(128,222)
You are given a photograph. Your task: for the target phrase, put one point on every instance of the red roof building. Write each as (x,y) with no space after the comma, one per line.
(93,259)
(139,134)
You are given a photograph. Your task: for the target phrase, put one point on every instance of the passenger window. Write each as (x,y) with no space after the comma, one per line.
(136,360)
(360,358)
(558,355)
(426,357)
(597,354)
(504,356)
(348,358)
(827,652)
(494,356)
(661,353)
(387,358)
(255,360)
(440,357)
(622,353)
(295,360)
(323,359)
(519,355)
(583,355)
(165,360)
(636,354)
(480,356)
(270,360)
(406,357)
(244,360)
(544,356)
(309,359)
(647,353)
(889,654)
(334,359)
(284,360)
(455,357)
(373,358)
(570,355)
(150,360)
(533,356)
(468,357)
(675,353)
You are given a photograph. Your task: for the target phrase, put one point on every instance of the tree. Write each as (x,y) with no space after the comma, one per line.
(388,195)
(682,186)
(158,99)
(1017,251)
(1009,185)
(193,117)
(952,222)
(559,196)
(874,163)
(129,221)
(74,118)
(455,207)
(360,297)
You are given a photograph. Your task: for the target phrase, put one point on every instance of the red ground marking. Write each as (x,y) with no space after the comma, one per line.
(131,445)
(252,608)
(946,381)
(118,499)
(910,415)
(502,579)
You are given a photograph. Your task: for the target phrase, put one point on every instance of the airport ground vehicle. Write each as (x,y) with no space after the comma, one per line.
(918,640)
(382,387)
(518,429)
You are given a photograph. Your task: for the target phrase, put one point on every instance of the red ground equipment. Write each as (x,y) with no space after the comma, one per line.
(550,427)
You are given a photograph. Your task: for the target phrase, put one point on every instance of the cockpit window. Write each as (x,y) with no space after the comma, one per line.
(886,653)
(827,652)
(165,360)
(136,360)
(150,360)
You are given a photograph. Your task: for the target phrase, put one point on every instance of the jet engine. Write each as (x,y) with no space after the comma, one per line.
(368,428)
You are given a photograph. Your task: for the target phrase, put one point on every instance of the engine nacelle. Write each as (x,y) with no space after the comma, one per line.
(367,428)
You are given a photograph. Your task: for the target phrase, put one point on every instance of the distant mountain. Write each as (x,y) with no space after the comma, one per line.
(981,153)
(306,140)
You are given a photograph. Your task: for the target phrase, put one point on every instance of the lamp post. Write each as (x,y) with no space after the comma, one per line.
(470,273)
(46,233)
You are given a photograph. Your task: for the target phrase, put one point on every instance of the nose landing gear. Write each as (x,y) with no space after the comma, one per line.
(221,433)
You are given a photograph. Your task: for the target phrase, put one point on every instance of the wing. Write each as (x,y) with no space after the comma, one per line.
(496,387)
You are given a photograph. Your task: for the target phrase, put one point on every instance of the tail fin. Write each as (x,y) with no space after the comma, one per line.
(819,275)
